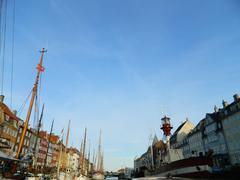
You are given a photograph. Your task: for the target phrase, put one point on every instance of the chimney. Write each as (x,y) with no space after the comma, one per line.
(236,97)
(15,112)
(224,103)
(1,98)
(215,109)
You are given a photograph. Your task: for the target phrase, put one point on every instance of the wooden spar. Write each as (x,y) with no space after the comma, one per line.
(83,156)
(66,162)
(60,155)
(88,158)
(34,92)
(80,158)
(38,130)
(36,140)
(49,140)
(99,159)
(67,134)
(93,159)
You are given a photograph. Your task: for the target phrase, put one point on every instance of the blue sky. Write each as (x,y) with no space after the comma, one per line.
(122,65)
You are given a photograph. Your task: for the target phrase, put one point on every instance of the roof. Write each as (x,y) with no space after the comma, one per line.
(43,134)
(230,109)
(174,136)
(54,139)
(179,127)
(159,145)
(7,111)
(214,116)
(72,150)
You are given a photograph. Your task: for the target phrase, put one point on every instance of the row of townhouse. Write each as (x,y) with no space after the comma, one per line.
(47,151)
(216,133)
(35,144)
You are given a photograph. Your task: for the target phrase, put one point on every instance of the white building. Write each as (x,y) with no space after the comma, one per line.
(73,160)
(193,142)
(231,128)
(214,139)
(178,137)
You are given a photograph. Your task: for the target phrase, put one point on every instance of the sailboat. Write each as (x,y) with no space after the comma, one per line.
(14,166)
(82,163)
(99,172)
(63,171)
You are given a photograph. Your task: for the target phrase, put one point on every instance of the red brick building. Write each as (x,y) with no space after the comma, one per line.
(42,151)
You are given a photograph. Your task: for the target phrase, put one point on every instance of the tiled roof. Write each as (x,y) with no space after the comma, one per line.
(54,138)
(7,111)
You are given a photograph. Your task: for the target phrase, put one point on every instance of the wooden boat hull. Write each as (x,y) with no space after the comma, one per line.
(194,167)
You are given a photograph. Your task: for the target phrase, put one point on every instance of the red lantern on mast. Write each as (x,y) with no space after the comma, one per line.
(166,127)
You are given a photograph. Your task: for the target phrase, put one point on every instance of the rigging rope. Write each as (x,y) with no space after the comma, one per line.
(13,40)
(1,10)
(3,33)
(24,103)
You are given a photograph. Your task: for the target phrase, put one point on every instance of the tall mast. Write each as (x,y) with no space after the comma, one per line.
(101,167)
(40,69)
(99,153)
(66,148)
(93,159)
(80,157)
(36,140)
(68,134)
(60,155)
(38,130)
(84,146)
(49,139)
(88,158)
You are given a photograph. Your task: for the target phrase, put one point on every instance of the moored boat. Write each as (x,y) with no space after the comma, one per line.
(99,172)
(98,175)
(193,167)
(173,163)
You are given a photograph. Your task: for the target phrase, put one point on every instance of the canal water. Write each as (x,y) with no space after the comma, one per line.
(163,178)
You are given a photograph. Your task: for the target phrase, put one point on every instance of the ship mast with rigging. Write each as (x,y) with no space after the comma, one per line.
(40,69)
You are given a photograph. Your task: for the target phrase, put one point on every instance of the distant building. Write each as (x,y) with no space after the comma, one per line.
(125,173)
(141,164)
(158,148)
(150,159)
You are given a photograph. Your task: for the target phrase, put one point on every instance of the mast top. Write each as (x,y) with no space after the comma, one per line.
(166,126)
